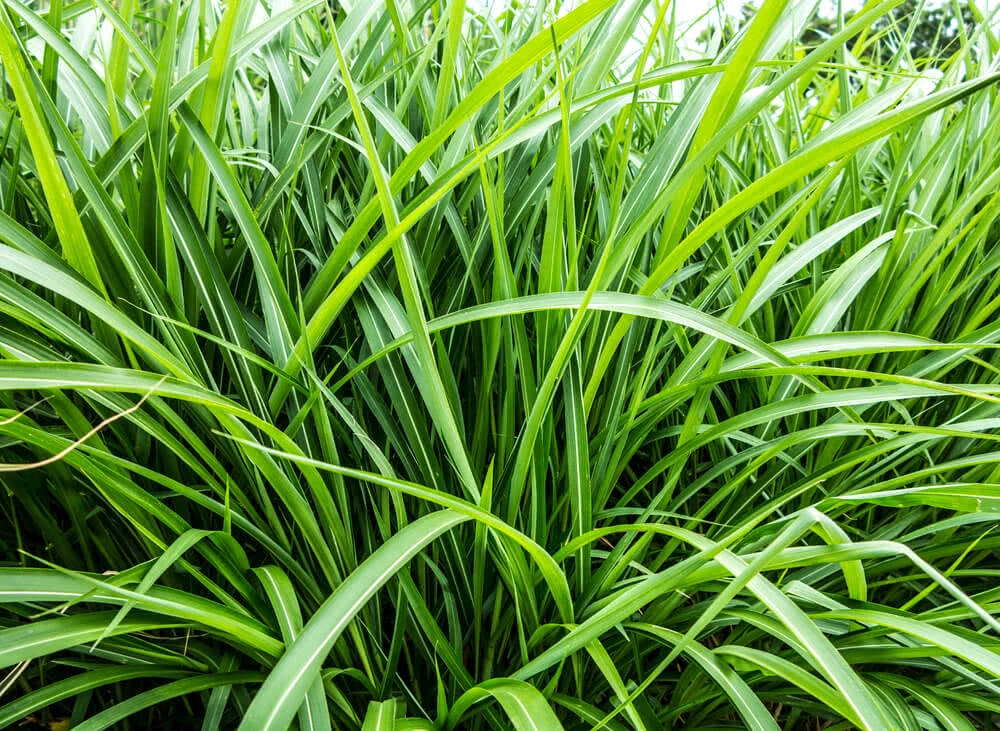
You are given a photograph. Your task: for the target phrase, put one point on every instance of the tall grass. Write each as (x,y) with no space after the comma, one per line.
(393,365)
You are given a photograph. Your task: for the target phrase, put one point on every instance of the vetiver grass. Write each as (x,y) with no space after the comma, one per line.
(389,365)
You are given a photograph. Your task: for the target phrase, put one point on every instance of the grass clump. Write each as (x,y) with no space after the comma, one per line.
(408,366)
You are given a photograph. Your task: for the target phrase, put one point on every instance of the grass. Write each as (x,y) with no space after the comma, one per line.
(400,366)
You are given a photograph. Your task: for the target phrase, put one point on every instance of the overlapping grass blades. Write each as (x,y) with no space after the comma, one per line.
(674,406)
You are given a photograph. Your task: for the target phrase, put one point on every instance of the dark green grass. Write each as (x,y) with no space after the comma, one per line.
(397,366)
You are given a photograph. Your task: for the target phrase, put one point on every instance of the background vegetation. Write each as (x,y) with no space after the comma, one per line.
(931,29)
(403,365)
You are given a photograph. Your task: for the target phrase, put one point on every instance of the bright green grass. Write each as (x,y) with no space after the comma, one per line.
(404,368)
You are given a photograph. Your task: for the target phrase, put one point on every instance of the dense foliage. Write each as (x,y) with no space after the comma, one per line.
(403,365)
(931,31)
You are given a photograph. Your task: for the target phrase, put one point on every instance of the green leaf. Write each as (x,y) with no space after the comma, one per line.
(287,683)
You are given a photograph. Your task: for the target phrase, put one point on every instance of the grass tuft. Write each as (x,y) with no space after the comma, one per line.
(394,365)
